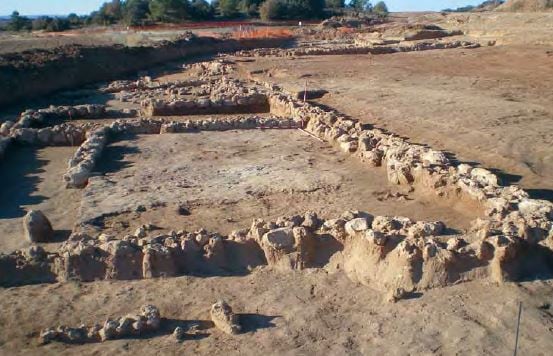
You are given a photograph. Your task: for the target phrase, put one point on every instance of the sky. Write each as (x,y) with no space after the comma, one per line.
(64,7)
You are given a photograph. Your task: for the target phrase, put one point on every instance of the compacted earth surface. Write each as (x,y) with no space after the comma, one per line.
(219,180)
(491,105)
(380,232)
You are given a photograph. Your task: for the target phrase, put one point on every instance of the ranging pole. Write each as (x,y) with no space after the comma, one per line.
(518,327)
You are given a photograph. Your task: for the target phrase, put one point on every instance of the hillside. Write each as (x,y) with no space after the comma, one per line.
(526,5)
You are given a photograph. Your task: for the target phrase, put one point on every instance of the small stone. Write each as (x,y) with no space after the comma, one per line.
(109,331)
(105,238)
(183,210)
(152,315)
(179,334)
(356,225)
(140,232)
(140,209)
(377,237)
(48,335)
(396,294)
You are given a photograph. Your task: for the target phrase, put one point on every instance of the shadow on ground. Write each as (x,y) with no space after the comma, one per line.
(19,181)
(254,322)
(113,157)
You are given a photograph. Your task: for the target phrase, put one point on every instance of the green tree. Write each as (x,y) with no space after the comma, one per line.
(74,19)
(250,8)
(361,5)
(135,12)
(112,10)
(169,10)
(380,8)
(109,13)
(316,8)
(229,8)
(273,10)
(335,4)
(201,10)
(18,22)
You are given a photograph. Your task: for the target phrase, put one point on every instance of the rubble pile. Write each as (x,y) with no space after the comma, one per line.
(128,91)
(211,68)
(143,83)
(221,96)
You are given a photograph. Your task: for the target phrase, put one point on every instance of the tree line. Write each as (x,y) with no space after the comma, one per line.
(143,12)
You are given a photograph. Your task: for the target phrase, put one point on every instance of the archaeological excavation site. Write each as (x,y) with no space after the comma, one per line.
(358,187)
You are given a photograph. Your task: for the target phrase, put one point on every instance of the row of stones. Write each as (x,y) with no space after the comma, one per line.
(385,252)
(25,131)
(147,321)
(59,135)
(41,117)
(357,49)
(509,209)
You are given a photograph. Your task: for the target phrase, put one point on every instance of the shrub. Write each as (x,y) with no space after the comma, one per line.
(380,8)
(49,24)
(361,5)
(273,10)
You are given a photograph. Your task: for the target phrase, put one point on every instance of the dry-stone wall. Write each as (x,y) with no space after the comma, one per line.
(358,48)
(385,252)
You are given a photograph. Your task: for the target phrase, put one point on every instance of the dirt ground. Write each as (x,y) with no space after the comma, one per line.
(492,105)
(224,179)
(311,312)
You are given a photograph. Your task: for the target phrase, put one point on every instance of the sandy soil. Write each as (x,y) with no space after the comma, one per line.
(303,313)
(32,179)
(492,105)
(225,179)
